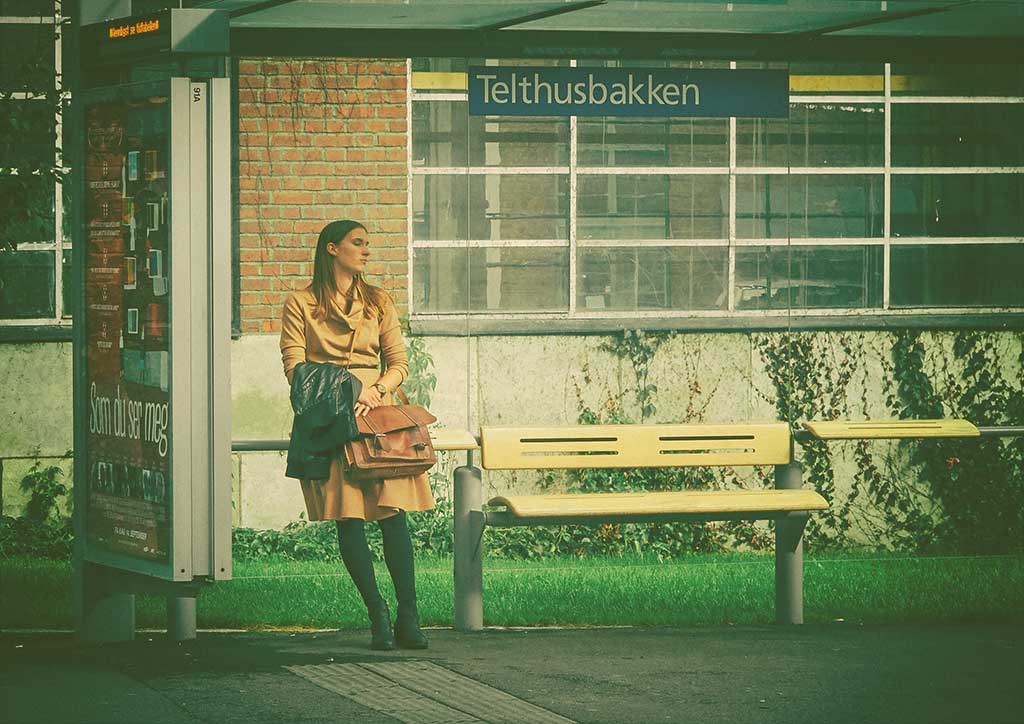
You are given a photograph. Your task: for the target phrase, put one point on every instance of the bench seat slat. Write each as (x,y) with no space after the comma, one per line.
(890,429)
(696,503)
(634,446)
(447,438)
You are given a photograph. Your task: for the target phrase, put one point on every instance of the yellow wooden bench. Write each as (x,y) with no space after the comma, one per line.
(634,446)
(890,429)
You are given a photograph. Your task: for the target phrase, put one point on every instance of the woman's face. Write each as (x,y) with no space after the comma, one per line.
(352,252)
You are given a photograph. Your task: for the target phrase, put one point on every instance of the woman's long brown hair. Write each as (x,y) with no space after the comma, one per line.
(324,287)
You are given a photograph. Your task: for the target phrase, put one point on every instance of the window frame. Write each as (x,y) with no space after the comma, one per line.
(42,327)
(884,316)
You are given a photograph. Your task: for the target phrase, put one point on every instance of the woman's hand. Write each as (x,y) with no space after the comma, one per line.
(369,398)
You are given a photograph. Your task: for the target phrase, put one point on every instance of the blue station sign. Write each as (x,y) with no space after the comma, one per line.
(546,91)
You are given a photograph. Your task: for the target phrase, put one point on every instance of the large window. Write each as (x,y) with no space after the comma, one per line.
(886,190)
(34,263)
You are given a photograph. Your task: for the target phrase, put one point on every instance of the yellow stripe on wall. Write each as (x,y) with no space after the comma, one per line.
(436,81)
(422,80)
(836,83)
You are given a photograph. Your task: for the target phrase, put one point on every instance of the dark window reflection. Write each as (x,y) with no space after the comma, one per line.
(958,205)
(26,284)
(808,277)
(957,134)
(957,275)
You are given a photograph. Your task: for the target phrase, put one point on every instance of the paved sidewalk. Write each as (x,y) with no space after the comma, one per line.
(833,673)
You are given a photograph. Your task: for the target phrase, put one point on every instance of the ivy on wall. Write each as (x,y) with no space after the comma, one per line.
(963,495)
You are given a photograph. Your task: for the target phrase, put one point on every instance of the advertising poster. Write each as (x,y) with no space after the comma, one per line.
(127,294)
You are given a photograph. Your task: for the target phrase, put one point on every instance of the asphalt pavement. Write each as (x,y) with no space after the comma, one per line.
(835,673)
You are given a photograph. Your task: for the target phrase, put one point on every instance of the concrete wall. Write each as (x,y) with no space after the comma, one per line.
(486,380)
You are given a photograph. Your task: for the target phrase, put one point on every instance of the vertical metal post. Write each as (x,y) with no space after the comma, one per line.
(181,618)
(789,553)
(469,525)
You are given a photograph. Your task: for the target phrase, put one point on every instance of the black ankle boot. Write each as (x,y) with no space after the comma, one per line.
(407,630)
(382,636)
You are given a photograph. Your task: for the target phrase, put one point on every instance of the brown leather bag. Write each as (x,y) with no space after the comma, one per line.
(393,440)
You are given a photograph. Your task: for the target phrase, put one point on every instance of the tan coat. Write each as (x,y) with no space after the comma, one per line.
(307,338)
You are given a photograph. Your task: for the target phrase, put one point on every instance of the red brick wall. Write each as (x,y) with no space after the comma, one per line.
(319,140)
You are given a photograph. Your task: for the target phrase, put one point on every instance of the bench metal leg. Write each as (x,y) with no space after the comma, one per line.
(469,526)
(789,553)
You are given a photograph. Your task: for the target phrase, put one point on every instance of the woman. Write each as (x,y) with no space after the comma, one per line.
(339,318)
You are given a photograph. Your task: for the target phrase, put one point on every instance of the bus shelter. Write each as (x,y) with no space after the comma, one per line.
(162,210)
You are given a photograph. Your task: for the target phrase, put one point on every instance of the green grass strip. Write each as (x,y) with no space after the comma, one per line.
(699,590)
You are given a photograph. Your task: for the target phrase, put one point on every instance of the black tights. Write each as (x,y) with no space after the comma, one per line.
(397,555)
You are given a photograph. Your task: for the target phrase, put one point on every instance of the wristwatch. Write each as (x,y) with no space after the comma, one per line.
(380,388)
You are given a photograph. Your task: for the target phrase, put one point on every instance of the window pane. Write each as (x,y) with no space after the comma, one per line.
(444,134)
(494,279)
(957,80)
(27,57)
(520,206)
(614,141)
(955,205)
(829,207)
(808,277)
(957,276)
(957,134)
(648,63)
(26,284)
(26,208)
(67,284)
(652,207)
(30,8)
(441,65)
(460,65)
(27,134)
(685,277)
(818,135)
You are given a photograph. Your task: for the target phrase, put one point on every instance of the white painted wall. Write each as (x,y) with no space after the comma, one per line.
(485,380)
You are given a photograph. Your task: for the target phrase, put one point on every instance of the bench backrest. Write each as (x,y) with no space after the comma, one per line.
(634,446)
